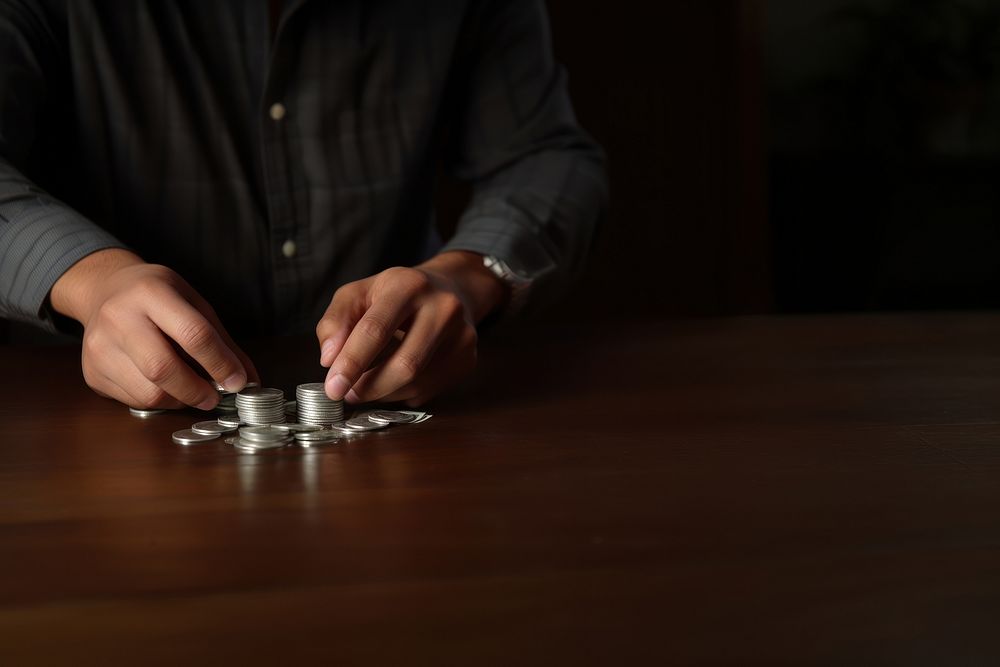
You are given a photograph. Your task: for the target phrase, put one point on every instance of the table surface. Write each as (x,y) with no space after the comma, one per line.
(816,489)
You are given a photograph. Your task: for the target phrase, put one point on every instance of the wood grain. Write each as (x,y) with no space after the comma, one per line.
(821,489)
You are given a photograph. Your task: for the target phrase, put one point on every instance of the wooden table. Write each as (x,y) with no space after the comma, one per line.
(822,489)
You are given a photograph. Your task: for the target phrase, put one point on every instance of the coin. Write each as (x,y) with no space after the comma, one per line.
(253,448)
(391,417)
(363,424)
(318,437)
(296,428)
(210,427)
(189,437)
(262,434)
(230,420)
(143,414)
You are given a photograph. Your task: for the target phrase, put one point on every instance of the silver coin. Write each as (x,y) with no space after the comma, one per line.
(262,434)
(189,437)
(264,444)
(363,424)
(230,420)
(391,417)
(210,427)
(260,394)
(348,431)
(253,449)
(144,414)
(296,427)
(263,403)
(318,436)
(309,444)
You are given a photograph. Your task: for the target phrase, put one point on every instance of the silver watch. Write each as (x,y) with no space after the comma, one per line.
(518,285)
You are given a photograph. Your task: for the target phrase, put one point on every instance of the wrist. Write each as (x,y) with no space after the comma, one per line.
(479,288)
(77,292)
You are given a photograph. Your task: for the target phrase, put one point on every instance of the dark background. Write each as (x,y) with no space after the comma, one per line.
(787,156)
(792,157)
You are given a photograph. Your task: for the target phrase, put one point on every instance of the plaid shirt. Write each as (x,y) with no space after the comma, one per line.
(270,173)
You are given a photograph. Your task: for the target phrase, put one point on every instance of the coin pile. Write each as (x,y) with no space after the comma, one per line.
(260,406)
(252,438)
(314,407)
(259,423)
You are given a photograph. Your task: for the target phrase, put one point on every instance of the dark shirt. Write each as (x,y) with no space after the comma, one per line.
(268,173)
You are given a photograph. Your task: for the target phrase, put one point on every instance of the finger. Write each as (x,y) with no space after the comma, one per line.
(158,363)
(409,360)
(123,382)
(198,337)
(248,366)
(346,308)
(446,368)
(369,336)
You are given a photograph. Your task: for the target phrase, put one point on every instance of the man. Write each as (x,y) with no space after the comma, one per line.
(271,154)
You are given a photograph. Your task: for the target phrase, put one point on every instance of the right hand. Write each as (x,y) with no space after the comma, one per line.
(135,316)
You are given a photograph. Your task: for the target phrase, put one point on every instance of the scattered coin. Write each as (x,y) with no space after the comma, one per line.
(144,414)
(210,427)
(254,447)
(263,434)
(391,417)
(317,438)
(297,428)
(230,420)
(362,423)
(189,437)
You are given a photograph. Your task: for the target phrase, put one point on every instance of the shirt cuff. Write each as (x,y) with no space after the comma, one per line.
(37,246)
(520,248)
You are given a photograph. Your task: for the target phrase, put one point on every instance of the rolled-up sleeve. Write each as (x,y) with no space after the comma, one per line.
(539,181)
(40,237)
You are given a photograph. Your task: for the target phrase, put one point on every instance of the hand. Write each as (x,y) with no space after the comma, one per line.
(407,333)
(138,320)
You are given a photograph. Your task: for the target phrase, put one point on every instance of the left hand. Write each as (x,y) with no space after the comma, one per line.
(429,311)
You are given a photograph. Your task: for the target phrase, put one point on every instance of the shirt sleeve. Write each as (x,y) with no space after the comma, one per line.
(539,182)
(40,237)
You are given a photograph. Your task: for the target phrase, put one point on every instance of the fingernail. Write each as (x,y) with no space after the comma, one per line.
(208,403)
(235,382)
(352,397)
(325,352)
(337,386)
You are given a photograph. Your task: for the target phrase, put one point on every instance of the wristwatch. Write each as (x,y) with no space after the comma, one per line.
(517,285)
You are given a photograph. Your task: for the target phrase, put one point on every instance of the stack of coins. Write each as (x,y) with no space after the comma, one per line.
(315,408)
(257,438)
(259,406)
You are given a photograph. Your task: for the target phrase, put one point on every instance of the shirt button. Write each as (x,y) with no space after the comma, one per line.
(288,248)
(277,111)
